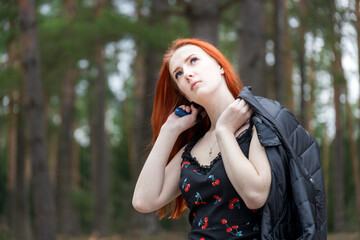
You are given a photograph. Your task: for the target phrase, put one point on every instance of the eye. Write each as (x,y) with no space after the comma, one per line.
(178,74)
(193,59)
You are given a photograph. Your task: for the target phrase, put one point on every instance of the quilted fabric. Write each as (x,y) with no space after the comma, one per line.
(296,207)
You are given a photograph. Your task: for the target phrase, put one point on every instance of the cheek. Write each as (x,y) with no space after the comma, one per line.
(180,87)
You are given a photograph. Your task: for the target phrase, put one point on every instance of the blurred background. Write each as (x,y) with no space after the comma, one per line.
(77,81)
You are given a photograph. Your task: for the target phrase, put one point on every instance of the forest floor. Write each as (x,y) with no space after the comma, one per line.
(180,236)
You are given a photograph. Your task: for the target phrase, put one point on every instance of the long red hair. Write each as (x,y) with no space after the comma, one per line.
(168,97)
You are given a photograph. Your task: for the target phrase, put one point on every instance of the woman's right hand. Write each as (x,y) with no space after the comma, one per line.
(181,124)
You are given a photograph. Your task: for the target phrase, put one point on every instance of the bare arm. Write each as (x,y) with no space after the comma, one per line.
(251,177)
(158,183)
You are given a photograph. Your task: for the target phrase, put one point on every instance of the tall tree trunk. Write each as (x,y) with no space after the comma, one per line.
(338,84)
(146,79)
(326,158)
(99,149)
(338,163)
(12,145)
(251,37)
(310,102)
(134,117)
(99,140)
(279,49)
(153,58)
(302,6)
(136,144)
(44,209)
(22,204)
(66,217)
(288,65)
(19,203)
(203,16)
(76,179)
(53,145)
(353,156)
(134,121)
(357,27)
(11,165)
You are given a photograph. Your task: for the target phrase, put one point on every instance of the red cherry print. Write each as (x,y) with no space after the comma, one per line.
(233,202)
(234,227)
(206,219)
(202,238)
(217,182)
(229,229)
(197,203)
(204,226)
(186,189)
(224,221)
(203,202)
(184,163)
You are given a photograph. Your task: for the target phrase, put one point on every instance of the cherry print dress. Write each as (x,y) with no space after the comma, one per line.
(217,211)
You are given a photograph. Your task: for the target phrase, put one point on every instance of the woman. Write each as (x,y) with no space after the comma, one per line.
(216,167)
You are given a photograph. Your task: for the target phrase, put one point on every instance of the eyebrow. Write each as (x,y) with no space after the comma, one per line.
(186,59)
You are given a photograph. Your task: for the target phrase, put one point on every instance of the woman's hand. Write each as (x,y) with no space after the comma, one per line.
(234,116)
(180,124)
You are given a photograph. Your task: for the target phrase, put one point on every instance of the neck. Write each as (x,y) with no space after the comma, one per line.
(216,105)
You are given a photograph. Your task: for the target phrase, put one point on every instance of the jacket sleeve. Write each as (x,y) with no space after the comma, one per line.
(273,212)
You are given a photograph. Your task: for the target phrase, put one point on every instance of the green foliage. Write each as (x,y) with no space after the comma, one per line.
(10,79)
(8,26)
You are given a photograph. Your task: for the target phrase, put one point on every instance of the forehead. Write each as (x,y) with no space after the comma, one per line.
(182,53)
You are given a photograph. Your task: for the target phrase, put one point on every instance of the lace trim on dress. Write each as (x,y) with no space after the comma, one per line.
(203,169)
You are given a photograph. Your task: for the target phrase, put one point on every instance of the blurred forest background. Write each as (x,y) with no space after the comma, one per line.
(77,81)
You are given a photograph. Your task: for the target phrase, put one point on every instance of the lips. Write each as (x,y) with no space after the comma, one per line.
(194,84)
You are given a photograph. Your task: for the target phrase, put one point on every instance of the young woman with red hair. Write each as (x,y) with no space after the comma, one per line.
(216,167)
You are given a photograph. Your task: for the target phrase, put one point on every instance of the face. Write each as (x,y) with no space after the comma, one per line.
(195,72)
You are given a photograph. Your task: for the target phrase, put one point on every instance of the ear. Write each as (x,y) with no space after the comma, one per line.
(221,70)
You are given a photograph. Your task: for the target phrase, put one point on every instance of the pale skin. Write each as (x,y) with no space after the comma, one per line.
(201,79)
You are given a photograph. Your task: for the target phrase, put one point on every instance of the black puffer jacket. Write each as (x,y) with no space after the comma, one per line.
(296,207)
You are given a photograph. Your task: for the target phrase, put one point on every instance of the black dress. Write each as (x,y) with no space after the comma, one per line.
(216,210)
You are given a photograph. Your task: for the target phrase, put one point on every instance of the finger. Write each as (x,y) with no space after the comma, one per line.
(246,107)
(193,108)
(235,103)
(182,107)
(242,103)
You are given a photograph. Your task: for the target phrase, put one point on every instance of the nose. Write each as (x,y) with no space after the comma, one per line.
(188,73)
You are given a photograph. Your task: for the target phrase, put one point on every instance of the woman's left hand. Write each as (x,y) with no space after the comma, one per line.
(234,116)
